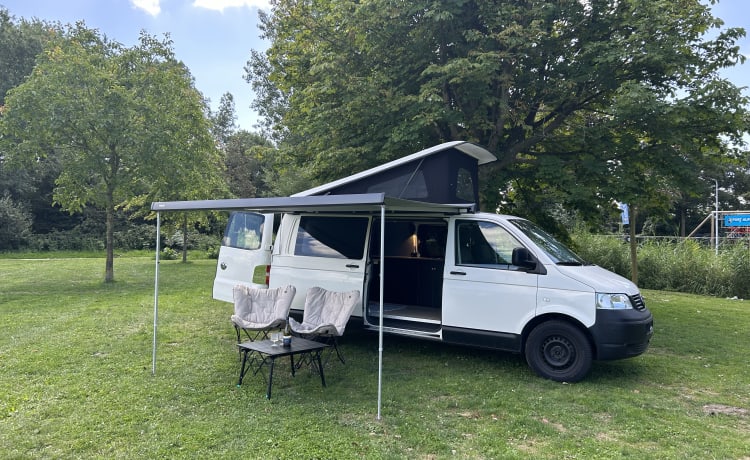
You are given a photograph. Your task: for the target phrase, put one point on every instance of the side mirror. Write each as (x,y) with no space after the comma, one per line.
(523,258)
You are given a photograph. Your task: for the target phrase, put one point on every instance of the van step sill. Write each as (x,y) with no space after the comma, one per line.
(404,313)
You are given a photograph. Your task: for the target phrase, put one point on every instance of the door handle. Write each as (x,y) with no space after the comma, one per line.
(352,266)
(458,273)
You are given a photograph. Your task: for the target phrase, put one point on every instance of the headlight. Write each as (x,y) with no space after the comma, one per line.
(613,301)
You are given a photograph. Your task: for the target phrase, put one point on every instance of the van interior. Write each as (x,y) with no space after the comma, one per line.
(414,257)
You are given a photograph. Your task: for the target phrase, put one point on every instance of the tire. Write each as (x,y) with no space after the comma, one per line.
(559,351)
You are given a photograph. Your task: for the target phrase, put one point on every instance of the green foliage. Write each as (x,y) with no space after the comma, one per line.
(248,161)
(169,254)
(682,266)
(15,224)
(20,43)
(66,240)
(196,240)
(89,392)
(126,126)
(584,102)
(136,236)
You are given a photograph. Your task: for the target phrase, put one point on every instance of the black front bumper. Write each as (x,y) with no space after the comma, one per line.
(621,334)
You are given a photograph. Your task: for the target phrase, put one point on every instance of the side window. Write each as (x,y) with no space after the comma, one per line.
(484,244)
(332,237)
(465,186)
(244,230)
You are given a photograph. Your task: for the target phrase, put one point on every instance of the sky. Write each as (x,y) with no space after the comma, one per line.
(214,37)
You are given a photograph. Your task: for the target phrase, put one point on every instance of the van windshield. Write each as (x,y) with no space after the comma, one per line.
(556,251)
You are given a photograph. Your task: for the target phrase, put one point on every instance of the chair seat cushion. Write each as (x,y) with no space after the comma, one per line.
(244,324)
(308,328)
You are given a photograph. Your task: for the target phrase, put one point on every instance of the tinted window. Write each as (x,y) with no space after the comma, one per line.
(464,185)
(410,186)
(244,230)
(484,244)
(335,237)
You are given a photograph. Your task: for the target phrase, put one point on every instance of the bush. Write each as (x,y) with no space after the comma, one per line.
(139,236)
(15,224)
(66,241)
(169,254)
(682,266)
(607,252)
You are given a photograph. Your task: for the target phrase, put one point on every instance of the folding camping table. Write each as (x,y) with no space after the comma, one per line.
(264,353)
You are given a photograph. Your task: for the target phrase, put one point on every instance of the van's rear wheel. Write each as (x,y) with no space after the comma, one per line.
(558,351)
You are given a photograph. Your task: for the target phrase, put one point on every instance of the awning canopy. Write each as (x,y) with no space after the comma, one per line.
(365,203)
(361,202)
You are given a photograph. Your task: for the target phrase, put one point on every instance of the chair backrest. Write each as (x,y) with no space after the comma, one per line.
(263,305)
(329,307)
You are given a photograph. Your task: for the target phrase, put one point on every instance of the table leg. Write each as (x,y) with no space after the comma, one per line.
(291,358)
(242,369)
(270,379)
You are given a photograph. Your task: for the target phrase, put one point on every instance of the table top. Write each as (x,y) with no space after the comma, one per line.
(299,345)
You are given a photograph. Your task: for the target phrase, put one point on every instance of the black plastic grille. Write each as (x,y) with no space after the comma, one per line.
(638,303)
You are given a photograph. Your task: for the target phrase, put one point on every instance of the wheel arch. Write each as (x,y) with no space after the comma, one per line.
(536,321)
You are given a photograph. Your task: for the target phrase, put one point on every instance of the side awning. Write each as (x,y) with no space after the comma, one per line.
(357,203)
(367,203)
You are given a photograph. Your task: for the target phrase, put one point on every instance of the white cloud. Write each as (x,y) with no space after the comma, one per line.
(220,5)
(151,7)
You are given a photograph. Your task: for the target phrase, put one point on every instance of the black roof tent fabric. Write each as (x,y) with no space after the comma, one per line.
(444,173)
(449,176)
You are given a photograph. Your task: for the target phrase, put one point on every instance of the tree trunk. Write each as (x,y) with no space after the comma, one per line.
(184,239)
(683,221)
(109,271)
(633,246)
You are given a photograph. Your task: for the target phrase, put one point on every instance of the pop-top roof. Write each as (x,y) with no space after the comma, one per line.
(445,173)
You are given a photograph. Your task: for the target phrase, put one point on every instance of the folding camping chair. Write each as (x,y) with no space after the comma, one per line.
(325,316)
(257,311)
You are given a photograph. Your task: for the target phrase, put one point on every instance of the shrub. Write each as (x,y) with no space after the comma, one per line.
(65,241)
(169,254)
(137,236)
(607,252)
(15,224)
(679,265)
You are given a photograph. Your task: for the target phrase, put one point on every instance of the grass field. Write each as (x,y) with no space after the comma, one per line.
(76,382)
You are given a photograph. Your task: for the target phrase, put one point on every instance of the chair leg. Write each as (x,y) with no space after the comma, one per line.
(338,351)
(237,330)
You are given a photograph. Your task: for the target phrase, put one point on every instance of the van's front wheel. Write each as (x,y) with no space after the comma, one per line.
(558,351)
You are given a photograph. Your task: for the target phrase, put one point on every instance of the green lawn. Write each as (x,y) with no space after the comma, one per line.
(76,382)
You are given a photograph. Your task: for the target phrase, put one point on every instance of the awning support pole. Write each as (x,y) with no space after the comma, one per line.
(380,332)
(156,291)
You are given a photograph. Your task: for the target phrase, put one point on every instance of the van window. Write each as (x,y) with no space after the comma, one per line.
(410,186)
(333,237)
(484,244)
(244,230)
(464,185)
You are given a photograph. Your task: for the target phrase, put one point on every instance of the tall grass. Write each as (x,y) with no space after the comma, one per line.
(682,266)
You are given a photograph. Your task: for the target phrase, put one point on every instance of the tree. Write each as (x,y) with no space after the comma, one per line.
(247,164)
(28,191)
(20,43)
(346,85)
(224,120)
(126,125)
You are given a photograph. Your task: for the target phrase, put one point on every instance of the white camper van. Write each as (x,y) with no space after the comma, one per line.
(447,272)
